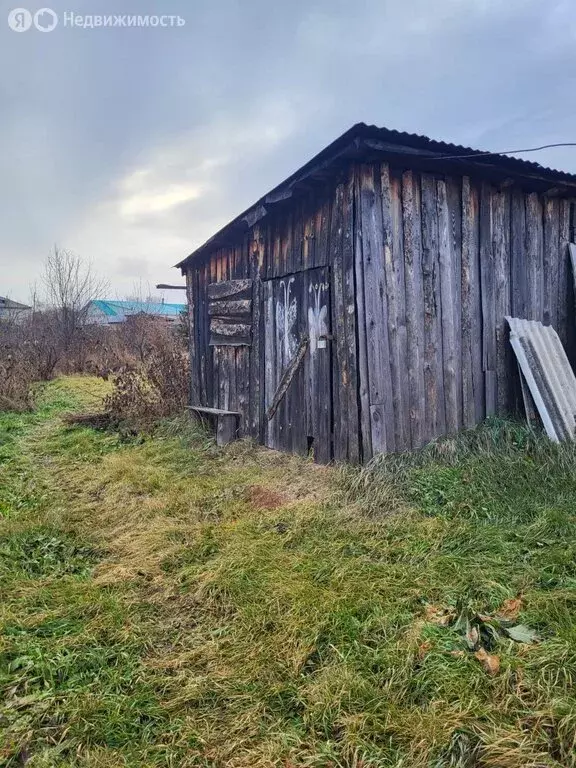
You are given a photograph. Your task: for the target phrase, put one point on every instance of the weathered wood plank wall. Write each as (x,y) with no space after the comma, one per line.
(422,269)
(470,253)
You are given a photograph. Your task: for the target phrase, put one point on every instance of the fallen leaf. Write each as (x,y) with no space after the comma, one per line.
(423,649)
(521,633)
(472,637)
(510,608)
(458,654)
(490,663)
(438,615)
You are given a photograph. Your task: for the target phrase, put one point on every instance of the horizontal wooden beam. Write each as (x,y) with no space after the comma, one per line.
(234,308)
(228,288)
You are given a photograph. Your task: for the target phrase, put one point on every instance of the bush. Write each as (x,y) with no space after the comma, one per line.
(156,383)
(145,358)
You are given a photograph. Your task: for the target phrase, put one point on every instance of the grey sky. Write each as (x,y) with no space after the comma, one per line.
(132,146)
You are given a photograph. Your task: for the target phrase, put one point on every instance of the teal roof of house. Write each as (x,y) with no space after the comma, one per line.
(119,310)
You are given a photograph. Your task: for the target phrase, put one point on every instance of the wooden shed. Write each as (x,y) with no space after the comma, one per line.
(359,306)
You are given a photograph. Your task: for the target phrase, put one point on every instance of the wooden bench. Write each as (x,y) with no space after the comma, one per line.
(226,422)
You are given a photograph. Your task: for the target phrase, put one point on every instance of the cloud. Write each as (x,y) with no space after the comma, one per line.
(177,196)
(133,146)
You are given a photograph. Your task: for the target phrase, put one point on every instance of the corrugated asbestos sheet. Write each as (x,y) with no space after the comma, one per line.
(572,248)
(548,374)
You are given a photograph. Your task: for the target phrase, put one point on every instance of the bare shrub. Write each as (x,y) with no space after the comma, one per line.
(144,356)
(15,384)
(28,353)
(156,382)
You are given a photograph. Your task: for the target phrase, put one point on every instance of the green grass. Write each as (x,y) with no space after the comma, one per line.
(167,603)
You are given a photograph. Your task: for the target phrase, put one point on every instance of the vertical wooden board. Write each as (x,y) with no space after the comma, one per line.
(376,253)
(199,332)
(279,418)
(287,242)
(196,337)
(231,262)
(236,260)
(274,264)
(472,372)
(448,300)
(242,260)
(287,239)
(214,268)
(256,258)
(468,410)
(297,441)
(454,197)
(396,300)
(191,292)
(564,273)
(433,375)
(199,293)
(312,253)
(221,361)
(534,257)
(340,375)
(551,260)
(232,377)
(502,270)
(297,238)
(322,235)
(201,340)
(487,282)
(243,389)
(210,353)
(519,277)
(268,251)
(309,240)
(283,254)
(323,378)
(207,356)
(414,303)
(270,366)
(363,377)
(216,366)
(352,421)
(288,296)
(248,251)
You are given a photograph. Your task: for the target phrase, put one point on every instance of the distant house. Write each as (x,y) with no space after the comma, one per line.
(12,310)
(107,312)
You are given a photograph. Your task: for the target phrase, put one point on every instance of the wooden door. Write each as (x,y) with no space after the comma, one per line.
(296,308)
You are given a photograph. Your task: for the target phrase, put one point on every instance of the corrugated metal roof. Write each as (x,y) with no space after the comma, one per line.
(118,310)
(548,374)
(362,140)
(415,140)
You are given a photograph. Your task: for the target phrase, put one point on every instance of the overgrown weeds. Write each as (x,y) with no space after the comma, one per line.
(145,358)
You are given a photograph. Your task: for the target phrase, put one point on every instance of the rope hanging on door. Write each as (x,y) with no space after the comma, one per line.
(287,377)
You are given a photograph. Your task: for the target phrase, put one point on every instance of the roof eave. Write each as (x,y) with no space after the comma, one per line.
(364,142)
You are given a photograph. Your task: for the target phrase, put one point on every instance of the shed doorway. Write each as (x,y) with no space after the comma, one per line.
(297,315)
